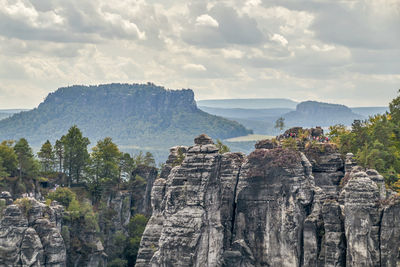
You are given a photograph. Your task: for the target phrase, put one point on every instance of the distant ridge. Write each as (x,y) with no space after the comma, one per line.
(5,113)
(249,103)
(369,111)
(139,116)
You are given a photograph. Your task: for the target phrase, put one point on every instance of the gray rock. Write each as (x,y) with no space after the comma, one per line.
(52,241)
(203,139)
(350,162)
(27,239)
(362,217)
(12,229)
(276,207)
(152,233)
(32,253)
(327,167)
(7,197)
(173,160)
(390,234)
(143,201)
(273,198)
(267,144)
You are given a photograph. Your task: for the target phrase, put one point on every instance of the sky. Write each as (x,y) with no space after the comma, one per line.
(338,51)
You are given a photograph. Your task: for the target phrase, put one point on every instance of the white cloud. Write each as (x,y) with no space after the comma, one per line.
(232,53)
(194,67)
(324,48)
(206,20)
(279,38)
(128,27)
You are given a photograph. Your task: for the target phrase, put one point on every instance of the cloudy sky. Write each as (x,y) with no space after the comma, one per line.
(342,51)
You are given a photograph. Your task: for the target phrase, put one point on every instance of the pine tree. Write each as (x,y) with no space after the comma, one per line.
(149,160)
(75,153)
(47,157)
(27,165)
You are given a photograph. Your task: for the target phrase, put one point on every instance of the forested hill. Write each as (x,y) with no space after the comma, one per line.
(142,116)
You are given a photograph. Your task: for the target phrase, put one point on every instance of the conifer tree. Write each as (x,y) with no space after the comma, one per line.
(75,153)
(47,157)
(27,165)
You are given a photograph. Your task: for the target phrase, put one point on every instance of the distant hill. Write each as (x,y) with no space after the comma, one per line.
(313,113)
(369,111)
(5,113)
(254,114)
(250,103)
(136,116)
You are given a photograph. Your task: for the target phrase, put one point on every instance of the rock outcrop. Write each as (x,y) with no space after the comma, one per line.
(29,235)
(276,207)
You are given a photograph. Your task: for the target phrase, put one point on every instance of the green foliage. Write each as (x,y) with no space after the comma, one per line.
(374,142)
(222,148)
(118,263)
(126,166)
(8,159)
(59,154)
(75,153)
(27,164)
(136,227)
(65,233)
(394,108)
(149,160)
(3,172)
(82,214)
(47,157)
(180,157)
(63,195)
(2,206)
(290,143)
(25,204)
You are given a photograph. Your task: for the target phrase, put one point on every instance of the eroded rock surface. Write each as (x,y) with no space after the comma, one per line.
(28,239)
(276,207)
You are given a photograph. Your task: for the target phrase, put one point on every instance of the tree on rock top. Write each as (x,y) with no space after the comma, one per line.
(76,154)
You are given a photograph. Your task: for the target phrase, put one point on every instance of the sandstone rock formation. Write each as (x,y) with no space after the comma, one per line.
(276,207)
(27,238)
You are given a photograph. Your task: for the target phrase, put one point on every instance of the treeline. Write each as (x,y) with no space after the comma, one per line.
(68,162)
(374,142)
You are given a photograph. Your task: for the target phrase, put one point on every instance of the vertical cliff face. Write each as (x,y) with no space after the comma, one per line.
(273,197)
(276,207)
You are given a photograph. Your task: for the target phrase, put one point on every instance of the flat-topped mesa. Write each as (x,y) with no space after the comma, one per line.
(275,207)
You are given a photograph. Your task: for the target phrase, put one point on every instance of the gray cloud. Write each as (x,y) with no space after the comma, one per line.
(231,29)
(337,51)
